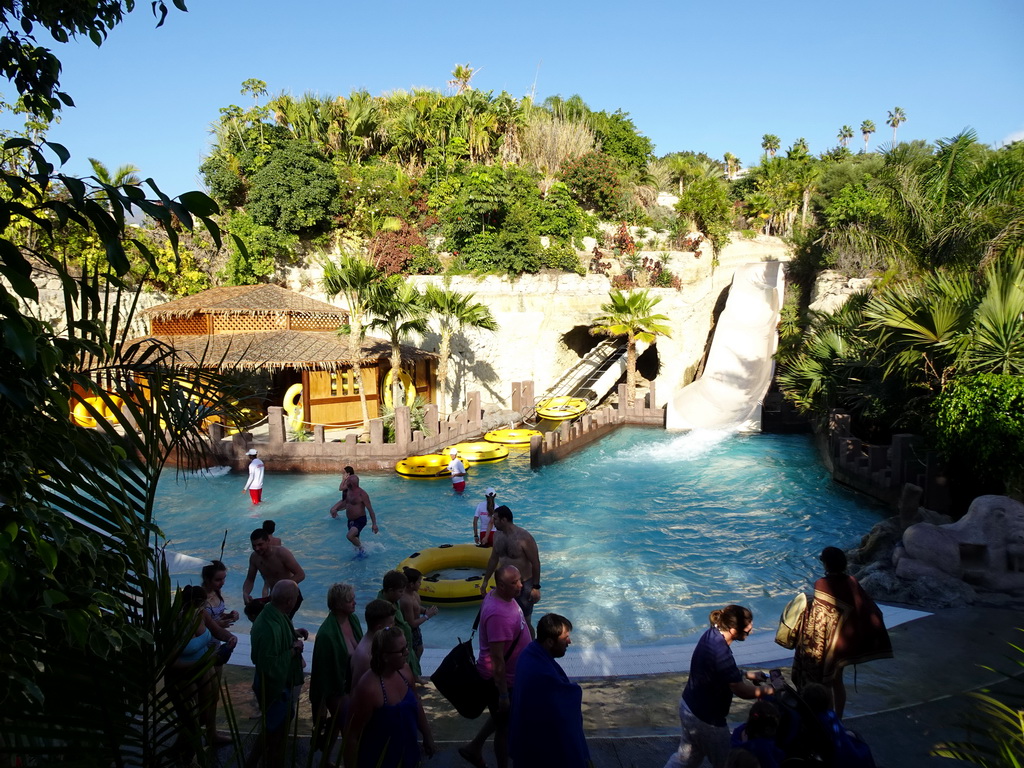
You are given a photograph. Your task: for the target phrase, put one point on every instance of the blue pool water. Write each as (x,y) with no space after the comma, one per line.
(641,535)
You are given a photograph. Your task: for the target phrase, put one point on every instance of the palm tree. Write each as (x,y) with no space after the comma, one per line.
(125,176)
(956,206)
(844,135)
(454,312)
(896,116)
(770,143)
(353,278)
(732,165)
(866,129)
(398,310)
(631,315)
(461,77)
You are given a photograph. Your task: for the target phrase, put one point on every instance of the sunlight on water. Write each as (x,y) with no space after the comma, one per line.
(641,534)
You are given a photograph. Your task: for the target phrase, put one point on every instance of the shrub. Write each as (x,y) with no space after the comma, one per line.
(392,251)
(980,420)
(423,262)
(563,257)
(593,180)
(295,191)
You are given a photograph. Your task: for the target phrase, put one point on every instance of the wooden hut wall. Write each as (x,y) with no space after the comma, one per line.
(334,395)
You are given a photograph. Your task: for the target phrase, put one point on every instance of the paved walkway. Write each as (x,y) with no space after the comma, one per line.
(901,706)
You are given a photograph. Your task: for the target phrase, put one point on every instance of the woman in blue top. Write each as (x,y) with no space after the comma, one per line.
(386,712)
(714,679)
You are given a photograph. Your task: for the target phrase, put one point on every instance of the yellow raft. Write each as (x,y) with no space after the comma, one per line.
(561,408)
(511,436)
(479,453)
(427,465)
(447,557)
(80,414)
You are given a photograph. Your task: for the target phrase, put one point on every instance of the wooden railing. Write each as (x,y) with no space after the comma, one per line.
(321,455)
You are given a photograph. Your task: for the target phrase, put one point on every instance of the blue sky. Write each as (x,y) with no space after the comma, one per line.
(702,76)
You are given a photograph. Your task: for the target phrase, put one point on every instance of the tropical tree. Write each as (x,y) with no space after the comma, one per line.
(462,75)
(454,312)
(866,129)
(732,165)
(844,135)
(631,315)
(770,143)
(84,591)
(896,117)
(353,278)
(398,310)
(960,205)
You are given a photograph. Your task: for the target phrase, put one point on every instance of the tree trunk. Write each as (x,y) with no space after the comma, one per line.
(444,353)
(356,353)
(396,369)
(630,371)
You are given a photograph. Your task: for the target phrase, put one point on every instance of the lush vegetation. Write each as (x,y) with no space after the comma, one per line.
(84,591)
(940,228)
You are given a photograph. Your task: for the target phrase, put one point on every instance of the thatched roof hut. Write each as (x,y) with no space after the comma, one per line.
(295,339)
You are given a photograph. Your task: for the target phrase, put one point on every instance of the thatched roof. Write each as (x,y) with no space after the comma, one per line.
(246,300)
(276,350)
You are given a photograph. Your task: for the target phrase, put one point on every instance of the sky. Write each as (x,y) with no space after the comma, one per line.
(693,75)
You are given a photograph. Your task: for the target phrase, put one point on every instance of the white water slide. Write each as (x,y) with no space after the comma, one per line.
(739,366)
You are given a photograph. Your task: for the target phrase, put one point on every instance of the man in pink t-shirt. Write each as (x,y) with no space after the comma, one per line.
(503,636)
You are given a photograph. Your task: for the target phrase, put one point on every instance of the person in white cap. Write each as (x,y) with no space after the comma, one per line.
(458,470)
(483,526)
(255,484)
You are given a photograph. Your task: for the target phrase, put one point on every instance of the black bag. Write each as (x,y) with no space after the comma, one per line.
(459,681)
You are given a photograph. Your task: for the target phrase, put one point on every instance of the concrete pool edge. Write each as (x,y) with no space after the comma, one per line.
(759,650)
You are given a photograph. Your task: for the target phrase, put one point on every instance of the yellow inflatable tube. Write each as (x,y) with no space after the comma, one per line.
(561,408)
(519,437)
(81,416)
(479,453)
(428,465)
(447,591)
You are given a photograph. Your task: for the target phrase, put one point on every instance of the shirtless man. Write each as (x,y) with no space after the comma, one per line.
(357,505)
(515,546)
(343,486)
(274,564)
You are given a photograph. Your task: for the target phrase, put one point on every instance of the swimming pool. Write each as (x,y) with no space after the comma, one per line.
(641,534)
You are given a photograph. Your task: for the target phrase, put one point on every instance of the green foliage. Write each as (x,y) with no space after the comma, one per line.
(296,191)
(422,261)
(564,258)
(594,182)
(559,215)
(620,139)
(980,420)
(706,202)
(856,205)
(83,589)
(264,248)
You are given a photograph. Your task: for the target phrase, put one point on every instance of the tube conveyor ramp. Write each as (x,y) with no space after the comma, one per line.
(592,377)
(740,365)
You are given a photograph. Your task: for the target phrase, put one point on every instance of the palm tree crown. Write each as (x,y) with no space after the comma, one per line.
(770,143)
(631,315)
(866,129)
(896,116)
(454,312)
